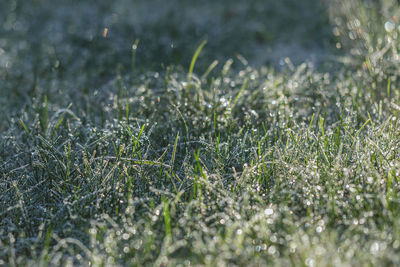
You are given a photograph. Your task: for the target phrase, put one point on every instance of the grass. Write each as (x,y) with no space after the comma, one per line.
(123,150)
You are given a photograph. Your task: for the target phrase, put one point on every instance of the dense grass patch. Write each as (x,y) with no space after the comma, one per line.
(165,155)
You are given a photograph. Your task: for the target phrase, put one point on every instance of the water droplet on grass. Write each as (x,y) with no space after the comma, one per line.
(125,236)
(271,250)
(310,262)
(269,212)
(374,247)
(389,26)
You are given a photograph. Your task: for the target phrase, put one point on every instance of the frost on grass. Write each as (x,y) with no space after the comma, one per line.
(242,166)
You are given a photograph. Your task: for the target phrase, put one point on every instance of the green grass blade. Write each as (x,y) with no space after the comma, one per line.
(174,150)
(167,218)
(134,49)
(193,62)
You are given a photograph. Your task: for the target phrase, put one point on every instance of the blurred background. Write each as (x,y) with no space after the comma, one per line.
(72,36)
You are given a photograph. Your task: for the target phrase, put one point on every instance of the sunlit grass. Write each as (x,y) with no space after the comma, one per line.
(207,161)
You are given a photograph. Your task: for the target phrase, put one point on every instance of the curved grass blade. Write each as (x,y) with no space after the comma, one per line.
(193,62)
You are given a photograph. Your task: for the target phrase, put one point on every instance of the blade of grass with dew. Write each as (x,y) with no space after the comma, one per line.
(174,150)
(167,218)
(209,70)
(193,62)
(134,49)
(244,86)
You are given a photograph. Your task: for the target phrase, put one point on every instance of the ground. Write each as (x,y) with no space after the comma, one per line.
(199,133)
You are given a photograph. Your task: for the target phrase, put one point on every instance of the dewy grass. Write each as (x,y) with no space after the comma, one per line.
(270,165)
(193,62)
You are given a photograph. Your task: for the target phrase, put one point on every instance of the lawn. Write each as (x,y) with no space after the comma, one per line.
(205,133)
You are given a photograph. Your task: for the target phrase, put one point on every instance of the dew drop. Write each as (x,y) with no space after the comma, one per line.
(389,26)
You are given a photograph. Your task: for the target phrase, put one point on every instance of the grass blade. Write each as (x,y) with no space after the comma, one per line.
(193,62)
